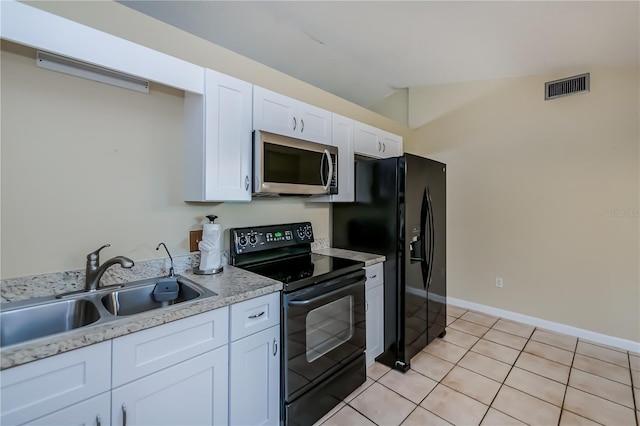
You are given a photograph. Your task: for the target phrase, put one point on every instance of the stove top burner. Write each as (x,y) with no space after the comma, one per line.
(301,271)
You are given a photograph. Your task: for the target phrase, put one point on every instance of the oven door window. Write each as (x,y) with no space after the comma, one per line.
(328,327)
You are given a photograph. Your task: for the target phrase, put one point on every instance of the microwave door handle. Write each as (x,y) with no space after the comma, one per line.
(322,171)
(330,177)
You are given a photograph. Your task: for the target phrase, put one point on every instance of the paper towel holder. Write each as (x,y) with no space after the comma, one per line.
(197,270)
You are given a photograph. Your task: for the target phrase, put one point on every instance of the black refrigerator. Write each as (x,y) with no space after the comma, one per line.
(400,212)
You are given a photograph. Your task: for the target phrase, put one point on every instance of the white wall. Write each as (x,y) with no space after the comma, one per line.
(545,194)
(85,163)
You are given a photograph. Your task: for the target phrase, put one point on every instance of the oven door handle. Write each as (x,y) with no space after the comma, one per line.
(353,282)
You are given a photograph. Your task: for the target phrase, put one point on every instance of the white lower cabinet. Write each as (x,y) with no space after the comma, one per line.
(375,311)
(254,362)
(45,387)
(182,373)
(254,379)
(193,392)
(92,412)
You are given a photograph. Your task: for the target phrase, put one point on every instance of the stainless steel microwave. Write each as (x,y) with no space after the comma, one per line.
(288,166)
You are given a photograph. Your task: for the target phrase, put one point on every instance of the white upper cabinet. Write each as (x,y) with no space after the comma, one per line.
(276,113)
(343,129)
(218,140)
(373,142)
(391,144)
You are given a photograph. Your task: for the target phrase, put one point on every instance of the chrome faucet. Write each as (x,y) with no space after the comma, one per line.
(95,270)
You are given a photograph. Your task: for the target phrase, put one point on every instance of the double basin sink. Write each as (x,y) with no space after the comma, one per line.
(46,316)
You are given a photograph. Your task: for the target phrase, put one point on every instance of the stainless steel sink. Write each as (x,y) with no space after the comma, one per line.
(32,322)
(36,318)
(129,301)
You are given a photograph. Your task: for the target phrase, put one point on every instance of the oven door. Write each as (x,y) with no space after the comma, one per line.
(284,165)
(324,329)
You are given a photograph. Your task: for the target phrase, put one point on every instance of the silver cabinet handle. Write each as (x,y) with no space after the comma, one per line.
(246,182)
(98,420)
(275,347)
(256,315)
(384,147)
(379,146)
(124,415)
(301,125)
(367,307)
(295,123)
(373,276)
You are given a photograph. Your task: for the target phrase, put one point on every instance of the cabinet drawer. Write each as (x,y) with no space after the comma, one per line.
(254,315)
(375,275)
(157,348)
(41,387)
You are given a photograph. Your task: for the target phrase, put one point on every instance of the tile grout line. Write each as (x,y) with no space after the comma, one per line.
(633,394)
(568,378)
(505,379)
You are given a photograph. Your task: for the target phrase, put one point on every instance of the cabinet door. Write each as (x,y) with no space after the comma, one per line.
(194,392)
(375,322)
(92,412)
(228,138)
(314,124)
(275,113)
(367,141)
(255,379)
(391,144)
(218,138)
(41,387)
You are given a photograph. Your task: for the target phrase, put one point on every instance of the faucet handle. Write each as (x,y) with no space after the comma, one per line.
(94,255)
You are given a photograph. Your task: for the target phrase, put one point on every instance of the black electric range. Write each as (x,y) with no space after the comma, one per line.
(323,321)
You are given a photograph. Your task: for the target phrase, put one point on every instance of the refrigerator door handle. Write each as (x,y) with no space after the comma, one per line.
(432,238)
(424,214)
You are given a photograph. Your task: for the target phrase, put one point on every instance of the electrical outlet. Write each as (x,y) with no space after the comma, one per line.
(194,238)
(499,282)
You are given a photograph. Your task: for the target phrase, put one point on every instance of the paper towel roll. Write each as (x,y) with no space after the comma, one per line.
(210,246)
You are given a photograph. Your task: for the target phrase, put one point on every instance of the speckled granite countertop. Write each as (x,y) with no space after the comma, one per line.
(233,285)
(368,258)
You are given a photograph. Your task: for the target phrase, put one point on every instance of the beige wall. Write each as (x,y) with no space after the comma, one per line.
(543,194)
(85,164)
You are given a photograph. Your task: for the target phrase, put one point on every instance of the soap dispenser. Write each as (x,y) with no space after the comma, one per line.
(210,248)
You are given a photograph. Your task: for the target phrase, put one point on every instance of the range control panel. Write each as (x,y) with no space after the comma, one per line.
(261,238)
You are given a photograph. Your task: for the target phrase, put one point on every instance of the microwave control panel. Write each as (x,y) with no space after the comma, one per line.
(262,238)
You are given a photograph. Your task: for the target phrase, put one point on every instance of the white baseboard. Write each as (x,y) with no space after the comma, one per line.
(628,345)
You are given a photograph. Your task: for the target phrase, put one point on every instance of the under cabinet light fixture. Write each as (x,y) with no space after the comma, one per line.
(70,66)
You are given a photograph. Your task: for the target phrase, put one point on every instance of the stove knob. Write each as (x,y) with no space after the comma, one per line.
(242,241)
(253,239)
(301,233)
(307,232)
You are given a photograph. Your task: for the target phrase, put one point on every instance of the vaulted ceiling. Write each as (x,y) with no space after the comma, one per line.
(365,50)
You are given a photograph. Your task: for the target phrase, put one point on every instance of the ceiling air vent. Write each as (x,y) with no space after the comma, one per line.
(567,86)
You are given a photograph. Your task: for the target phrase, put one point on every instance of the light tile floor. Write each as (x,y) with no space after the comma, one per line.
(493,371)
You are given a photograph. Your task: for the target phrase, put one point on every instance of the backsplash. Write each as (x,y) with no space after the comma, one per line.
(22,288)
